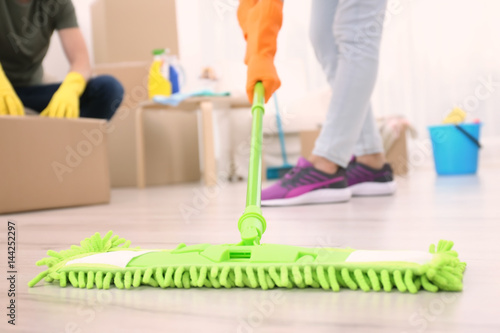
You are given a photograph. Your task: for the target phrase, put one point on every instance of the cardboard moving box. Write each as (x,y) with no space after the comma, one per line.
(171,137)
(52,163)
(121,141)
(134,78)
(129,30)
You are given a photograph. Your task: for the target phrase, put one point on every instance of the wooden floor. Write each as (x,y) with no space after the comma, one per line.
(425,209)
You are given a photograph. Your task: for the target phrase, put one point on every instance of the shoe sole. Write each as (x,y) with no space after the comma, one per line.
(373,188)
(314,197)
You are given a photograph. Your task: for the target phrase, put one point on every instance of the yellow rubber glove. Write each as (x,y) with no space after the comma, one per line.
(66,101)
(261,21)
(10,104)
(456,116)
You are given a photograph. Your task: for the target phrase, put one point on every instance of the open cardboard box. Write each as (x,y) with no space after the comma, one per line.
(52,163)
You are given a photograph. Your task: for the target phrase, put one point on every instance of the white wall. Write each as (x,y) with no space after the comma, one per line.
(435,54)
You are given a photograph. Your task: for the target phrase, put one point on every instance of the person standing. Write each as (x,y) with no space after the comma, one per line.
(346,36)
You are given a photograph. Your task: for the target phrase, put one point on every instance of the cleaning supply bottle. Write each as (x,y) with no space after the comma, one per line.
(174,72)
(158,82)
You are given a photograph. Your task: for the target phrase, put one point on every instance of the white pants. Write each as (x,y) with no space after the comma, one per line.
(346,38)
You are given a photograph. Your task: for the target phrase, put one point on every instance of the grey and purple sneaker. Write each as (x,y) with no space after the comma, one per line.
(366,181)
(306,185)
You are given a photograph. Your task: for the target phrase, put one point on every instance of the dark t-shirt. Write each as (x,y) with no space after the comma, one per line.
(25,31)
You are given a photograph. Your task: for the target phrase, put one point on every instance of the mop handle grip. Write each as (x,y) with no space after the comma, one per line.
(255,163)
(252,224)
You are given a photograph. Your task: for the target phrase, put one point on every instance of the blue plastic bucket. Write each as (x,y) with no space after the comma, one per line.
(455,149)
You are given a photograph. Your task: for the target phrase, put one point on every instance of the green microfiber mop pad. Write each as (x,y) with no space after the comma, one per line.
(101,262)
(104,261)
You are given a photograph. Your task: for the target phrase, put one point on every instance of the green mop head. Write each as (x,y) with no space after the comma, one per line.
(100,262)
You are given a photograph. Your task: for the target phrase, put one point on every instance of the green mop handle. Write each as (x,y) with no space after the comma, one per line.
(252,224)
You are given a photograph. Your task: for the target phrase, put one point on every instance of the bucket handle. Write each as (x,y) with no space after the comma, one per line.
(467,134)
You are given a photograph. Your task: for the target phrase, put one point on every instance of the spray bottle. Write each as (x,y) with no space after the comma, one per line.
(158,82)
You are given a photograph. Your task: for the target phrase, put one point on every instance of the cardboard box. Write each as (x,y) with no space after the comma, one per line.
(132,75)
(171,137)
(307,141)
(122,151)
(128,30)
(52,163)
(171,147)
(396,155)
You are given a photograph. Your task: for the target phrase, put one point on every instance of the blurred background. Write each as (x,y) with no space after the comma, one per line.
(434,55)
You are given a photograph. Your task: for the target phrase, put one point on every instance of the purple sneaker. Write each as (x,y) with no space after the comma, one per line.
(306,185)
(364,180)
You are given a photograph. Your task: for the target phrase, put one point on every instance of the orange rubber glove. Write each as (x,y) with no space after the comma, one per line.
(261,23)
(66,101)
(10,104)
(242,13)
